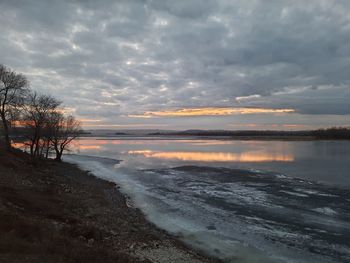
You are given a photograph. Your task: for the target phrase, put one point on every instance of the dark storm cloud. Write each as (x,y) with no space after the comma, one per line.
(114,58)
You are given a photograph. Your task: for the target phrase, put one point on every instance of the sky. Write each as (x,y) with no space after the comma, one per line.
(185,64)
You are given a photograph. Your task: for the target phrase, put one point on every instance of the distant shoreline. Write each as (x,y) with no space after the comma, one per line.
(213,137)
(335,133)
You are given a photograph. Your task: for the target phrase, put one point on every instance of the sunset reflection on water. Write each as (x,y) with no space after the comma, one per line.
(324,161)
(216,156)
(184,150)
(189,150)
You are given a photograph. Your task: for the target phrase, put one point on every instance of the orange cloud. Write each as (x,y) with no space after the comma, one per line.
(140,116)
(209,111)
(125,125)
(89,120)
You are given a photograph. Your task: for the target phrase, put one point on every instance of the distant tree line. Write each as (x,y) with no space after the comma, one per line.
(40,120)
(332,133)
(321,134)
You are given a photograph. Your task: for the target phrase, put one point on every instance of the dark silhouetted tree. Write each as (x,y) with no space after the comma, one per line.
(13,88)
(36,117)
(64,129)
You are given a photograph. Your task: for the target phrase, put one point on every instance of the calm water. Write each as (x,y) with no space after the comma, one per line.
(243,201)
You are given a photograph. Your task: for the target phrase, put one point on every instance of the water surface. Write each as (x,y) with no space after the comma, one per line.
(243,201)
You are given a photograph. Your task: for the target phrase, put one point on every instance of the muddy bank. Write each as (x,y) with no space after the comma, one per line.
(54,212)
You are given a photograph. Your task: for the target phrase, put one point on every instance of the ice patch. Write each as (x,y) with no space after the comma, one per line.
(325,210)
(293,193)
(328,195)
(281,176)
(307,191)
(313,192)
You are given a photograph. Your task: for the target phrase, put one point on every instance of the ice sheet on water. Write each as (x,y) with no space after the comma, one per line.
(267,211)
(240,215)
(86,158)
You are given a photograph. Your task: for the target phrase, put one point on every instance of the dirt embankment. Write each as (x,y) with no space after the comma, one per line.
(54,212)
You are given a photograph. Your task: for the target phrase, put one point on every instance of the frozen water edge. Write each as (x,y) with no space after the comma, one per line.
(239,215)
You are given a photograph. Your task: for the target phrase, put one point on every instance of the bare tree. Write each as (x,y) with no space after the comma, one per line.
(13,87)
(64,130)
(36,115)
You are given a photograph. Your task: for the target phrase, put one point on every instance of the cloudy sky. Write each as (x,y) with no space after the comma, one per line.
(225,64)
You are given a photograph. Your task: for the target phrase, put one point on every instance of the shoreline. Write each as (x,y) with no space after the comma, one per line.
(226,138)
(56,212)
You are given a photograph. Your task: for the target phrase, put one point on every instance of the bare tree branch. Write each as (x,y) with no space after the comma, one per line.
(36,116)
(13,88)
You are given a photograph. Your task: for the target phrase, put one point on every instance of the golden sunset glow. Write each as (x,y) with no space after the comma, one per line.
(21,123)
(18,145)
(217,156)
(210,111)
(89,120)
(89,147)
(136,125)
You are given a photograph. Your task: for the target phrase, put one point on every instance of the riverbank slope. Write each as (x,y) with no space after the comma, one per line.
(54,212)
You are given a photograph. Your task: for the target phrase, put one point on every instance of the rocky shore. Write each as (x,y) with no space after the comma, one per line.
(54,212)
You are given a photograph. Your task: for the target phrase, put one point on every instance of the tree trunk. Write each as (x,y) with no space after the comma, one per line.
(6,132)
(58,154)
(47,149)
(31,148)
(58,157)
